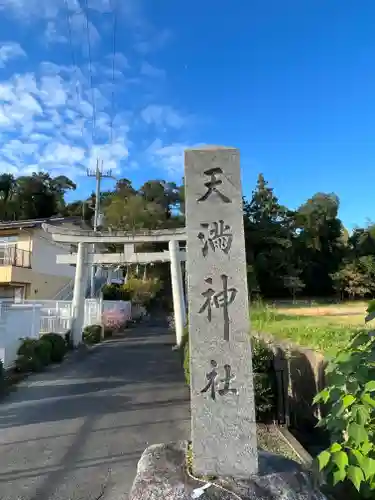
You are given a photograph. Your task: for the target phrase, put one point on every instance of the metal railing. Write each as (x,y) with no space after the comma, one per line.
(13,256)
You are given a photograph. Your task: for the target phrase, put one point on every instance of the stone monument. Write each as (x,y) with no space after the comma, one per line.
(222,395)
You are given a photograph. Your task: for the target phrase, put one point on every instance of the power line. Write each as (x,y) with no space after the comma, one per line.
(114,4)
(74,60)
(90,70)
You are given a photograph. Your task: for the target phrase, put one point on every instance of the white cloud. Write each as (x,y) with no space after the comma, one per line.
(46,116)
(57,153)
(51,118)
(101,6)
(80,36)
(168,157)
(37,137)
(162,116)
(7,168)
(120,60)
(150,40)
(53,35)
(148,69)
(52,91)
(10,50)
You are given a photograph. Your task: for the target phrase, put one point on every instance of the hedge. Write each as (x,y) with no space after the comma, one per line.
(34,355)
(92,334)
(58,346)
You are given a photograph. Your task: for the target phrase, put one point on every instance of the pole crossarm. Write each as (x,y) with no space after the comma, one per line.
(65,235)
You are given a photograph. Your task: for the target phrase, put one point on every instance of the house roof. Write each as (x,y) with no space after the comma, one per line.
(32,223)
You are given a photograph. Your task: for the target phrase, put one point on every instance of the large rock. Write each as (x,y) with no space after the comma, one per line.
(162,475)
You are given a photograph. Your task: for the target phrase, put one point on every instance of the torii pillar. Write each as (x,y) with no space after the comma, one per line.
(177,291)
(78,303)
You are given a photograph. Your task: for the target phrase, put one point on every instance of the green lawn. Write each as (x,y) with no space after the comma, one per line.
(327,334)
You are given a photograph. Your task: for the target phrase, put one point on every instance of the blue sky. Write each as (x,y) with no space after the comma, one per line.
(291,83)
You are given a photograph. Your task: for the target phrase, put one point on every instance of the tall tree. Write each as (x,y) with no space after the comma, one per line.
(269,238)
(133,213)
(165,194)
(320,244)
(7,186)
(32,197)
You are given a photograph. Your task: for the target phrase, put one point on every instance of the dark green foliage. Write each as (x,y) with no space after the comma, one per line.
(264,376)
(350,416)
(33,355)
(290,252)
(33,197)
(68,340)
(115,292)
(58,346)
(92,334)
(108,332)
(264,380)
(293,251)
(43,350)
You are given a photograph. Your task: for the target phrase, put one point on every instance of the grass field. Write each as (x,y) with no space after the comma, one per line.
(323,327)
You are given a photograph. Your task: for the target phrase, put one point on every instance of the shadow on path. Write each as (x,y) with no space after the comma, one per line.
(66,433)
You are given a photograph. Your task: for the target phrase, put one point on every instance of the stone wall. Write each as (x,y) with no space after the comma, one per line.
(305,373)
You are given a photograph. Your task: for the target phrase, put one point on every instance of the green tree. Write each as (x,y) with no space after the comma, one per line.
(355,279)
(7,188)
(319,245)
(362,241)
(269,238)
(133,213)
(33,197)
(165,194)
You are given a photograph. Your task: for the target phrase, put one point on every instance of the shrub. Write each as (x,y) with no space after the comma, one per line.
(92,334)
(142,291)
(58,346)
(349,398)
(33,355)
(264,376)
(115,292)
(264,379)
(43,350)
(115,319)
(108,332)
(68,340)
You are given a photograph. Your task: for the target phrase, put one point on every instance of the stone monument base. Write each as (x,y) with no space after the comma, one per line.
(162,475)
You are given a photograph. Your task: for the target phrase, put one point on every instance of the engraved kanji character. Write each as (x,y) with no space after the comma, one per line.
(212,184)
(219,237)
(222,299)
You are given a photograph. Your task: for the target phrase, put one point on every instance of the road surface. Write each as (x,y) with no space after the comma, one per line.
(77,431)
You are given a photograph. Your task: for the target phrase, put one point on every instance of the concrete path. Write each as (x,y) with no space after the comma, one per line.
(76,432)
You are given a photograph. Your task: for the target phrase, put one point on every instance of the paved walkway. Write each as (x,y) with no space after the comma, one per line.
(83,425)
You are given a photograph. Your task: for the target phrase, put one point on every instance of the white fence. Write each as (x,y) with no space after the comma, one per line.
(33,318)
(16,321)
(56,315)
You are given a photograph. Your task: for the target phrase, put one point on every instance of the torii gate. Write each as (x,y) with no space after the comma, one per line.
(128,239)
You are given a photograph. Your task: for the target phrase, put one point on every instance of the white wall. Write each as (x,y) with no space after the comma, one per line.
(44,252)
(17,321)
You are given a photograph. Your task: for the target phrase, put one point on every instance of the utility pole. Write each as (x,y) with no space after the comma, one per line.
(99,175)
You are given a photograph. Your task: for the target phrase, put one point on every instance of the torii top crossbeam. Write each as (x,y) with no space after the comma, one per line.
(86,236)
